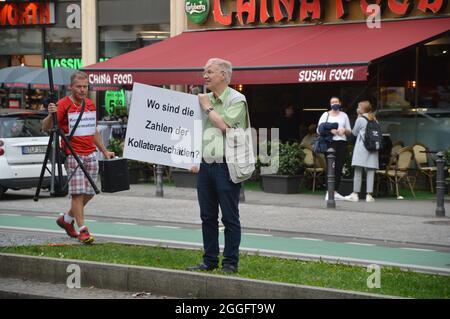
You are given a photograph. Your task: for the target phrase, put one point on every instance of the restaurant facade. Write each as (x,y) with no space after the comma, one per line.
(394,53)
(29,30)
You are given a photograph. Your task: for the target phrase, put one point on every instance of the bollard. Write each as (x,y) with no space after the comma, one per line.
(331,177)
(440,185)
(159,180)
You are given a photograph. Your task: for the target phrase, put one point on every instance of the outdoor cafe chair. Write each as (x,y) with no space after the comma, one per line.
(315,166)
(397,170)
(422,162)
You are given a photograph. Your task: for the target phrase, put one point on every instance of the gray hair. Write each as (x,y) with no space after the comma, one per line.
(224,66)
(78,75)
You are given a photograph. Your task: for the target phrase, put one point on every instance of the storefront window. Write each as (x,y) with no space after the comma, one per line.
(63,42)
(20,41)
(422,116)
(434,85)
(116,40)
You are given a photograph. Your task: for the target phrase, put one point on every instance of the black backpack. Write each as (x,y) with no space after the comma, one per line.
(373,137)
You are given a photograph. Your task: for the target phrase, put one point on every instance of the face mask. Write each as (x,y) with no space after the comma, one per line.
(335,107)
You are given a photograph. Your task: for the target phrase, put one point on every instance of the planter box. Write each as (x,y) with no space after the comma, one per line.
(184,178)
(147,174)
(134,175)
(281,184)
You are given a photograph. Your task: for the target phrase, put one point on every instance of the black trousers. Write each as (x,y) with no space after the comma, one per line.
(214,189)
(341,148)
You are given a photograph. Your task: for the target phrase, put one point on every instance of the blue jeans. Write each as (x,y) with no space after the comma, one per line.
(214,189)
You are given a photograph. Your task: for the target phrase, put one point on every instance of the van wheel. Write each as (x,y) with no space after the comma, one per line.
(2,191)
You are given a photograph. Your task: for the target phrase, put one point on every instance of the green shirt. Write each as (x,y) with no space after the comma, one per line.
(234,116)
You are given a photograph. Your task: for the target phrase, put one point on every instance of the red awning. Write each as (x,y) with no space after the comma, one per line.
(319,53)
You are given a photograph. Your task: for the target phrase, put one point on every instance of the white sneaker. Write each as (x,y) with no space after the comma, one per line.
(353,197)
(337,196)
(369,198)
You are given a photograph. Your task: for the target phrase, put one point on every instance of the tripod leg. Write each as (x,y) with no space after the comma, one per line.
(75,155)
(60,188)
(53,161)
(44,166)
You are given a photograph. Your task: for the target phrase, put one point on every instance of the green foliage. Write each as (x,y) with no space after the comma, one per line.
(116,146)
(291,159)
(447,156)
(288,157)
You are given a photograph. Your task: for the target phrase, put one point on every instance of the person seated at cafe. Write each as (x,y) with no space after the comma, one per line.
(309,138)
(289,125)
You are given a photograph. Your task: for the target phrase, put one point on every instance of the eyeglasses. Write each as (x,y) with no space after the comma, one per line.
(210,72)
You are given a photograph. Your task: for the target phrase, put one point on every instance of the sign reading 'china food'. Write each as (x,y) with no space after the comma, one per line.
(115,79)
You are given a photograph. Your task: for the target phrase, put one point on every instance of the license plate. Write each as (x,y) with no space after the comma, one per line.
(34,149)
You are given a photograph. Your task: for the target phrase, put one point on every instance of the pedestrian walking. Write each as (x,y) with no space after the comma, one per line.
(85,141)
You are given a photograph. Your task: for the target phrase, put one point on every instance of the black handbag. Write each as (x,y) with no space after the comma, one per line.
(320,145)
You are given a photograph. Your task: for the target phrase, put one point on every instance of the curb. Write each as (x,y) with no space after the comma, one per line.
(175,283)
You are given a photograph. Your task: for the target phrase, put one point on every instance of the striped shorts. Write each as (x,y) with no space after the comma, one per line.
(79,184)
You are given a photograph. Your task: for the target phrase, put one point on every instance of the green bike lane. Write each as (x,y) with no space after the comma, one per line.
(268,244)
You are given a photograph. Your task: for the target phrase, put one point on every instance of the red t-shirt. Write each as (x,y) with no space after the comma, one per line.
(83,145)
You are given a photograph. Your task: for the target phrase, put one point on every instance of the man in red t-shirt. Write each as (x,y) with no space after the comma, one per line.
(85,141)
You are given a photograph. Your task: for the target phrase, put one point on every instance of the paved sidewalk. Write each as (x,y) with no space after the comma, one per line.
(386,219)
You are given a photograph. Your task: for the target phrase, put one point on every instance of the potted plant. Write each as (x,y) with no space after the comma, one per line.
(290,162)
(116,146)
(135,171)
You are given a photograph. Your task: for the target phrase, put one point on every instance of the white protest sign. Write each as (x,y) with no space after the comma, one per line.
(87,124)
(164,127)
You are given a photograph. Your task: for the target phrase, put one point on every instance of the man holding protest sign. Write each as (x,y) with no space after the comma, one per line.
(224,108)
(85,141)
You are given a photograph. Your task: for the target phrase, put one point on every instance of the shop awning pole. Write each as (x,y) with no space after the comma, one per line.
(416,91)
(378,87)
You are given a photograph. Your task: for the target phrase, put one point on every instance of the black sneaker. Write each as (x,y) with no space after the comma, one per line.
(203,267)
(229,269)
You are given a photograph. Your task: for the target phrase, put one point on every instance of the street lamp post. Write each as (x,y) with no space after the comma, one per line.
(159,180)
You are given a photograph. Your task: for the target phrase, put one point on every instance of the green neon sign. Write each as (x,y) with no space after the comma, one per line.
(114,100)
(71,63)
